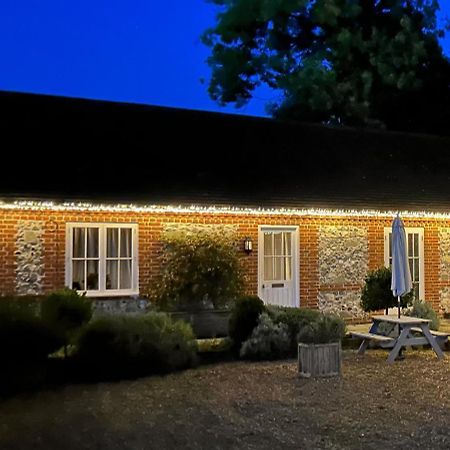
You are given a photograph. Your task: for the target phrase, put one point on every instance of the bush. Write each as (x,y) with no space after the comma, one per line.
(66,312)
(267,341)
(424,310)
(24,337)
(123,345)
(214,345)
(244,318)
(377,294)
(325,329)
(295,319)
(199,271)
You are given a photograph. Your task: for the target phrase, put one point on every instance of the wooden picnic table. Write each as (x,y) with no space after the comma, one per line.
(413,331)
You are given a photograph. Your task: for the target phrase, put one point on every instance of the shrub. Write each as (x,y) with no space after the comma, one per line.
(267,341)
(214,345)
(199,270)
(325,329)
(24,337)
(131,345)
(244,318)
(65,311)
(424,310)
(295,319)
(377,294)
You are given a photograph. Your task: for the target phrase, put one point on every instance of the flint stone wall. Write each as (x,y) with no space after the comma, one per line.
(121,306)
(343,260)
(29,257)
(444,268)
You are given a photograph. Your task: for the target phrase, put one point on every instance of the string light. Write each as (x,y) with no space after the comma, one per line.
(219,210)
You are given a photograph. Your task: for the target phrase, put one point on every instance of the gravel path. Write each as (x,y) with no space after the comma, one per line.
(245,406)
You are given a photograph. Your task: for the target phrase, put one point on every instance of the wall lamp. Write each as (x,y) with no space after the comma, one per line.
(248,245)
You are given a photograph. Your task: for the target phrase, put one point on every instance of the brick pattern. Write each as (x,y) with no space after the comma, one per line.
(151,226)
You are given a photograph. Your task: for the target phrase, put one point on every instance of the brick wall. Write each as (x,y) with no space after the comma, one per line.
(150,248)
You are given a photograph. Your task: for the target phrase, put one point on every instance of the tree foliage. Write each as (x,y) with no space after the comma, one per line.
(344,61)
(376,293)
(198,270)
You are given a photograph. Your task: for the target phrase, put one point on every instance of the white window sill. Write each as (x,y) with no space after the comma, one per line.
(111,293)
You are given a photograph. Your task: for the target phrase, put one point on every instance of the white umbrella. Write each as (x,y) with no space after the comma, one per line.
(401,277)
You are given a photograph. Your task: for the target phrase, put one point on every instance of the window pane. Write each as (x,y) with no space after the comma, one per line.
(92,275)
(410,244)
(112,243)
(268,268)
(92,242)
(277,243)
(279,269)
(416,245)
(125,274)
(78,275)
(125,242)
(78,242)
(390,248)
(288,268)
(287,243)
(416,269)
(112,278)
(268,250)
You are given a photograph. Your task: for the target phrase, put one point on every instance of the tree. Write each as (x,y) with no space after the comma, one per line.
(354,62)
(198,270)
(376,293)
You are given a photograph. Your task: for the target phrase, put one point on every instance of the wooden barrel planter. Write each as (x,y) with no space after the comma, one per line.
(320,360)
(206,323)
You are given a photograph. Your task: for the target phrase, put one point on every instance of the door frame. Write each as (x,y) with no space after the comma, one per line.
(295,259)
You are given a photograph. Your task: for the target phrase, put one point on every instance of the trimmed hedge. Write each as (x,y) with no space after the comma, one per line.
(66,312)
(244,318)
(117,346)
(24,337)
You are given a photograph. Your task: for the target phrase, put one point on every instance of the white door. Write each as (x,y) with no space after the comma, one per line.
(278,266)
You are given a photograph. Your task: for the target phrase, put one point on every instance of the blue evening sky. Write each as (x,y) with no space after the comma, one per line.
(142,51)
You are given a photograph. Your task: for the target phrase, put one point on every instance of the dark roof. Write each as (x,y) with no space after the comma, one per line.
(65,148)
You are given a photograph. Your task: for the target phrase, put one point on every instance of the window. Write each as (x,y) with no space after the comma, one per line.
(277,255)
(101,259)
(414,237)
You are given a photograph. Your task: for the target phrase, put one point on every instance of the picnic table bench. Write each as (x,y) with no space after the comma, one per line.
(373,337)
(440,336)
(412,331)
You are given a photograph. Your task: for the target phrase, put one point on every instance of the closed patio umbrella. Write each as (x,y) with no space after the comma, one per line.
(401,282)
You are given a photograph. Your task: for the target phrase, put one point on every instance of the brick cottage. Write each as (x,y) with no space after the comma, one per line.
(90,187)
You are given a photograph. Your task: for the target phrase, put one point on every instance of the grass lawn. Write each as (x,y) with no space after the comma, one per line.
(241,405)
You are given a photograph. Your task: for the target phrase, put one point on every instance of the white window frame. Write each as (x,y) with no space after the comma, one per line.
(102,227)
(420,232)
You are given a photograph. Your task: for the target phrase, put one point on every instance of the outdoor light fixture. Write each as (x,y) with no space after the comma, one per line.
(198,209)
(248,245)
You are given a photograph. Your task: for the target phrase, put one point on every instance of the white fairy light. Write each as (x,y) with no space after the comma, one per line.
(229,210)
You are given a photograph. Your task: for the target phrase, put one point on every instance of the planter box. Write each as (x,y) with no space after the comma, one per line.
(206,324)
(319,360)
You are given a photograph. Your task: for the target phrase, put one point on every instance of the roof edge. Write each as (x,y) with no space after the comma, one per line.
(28,205)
